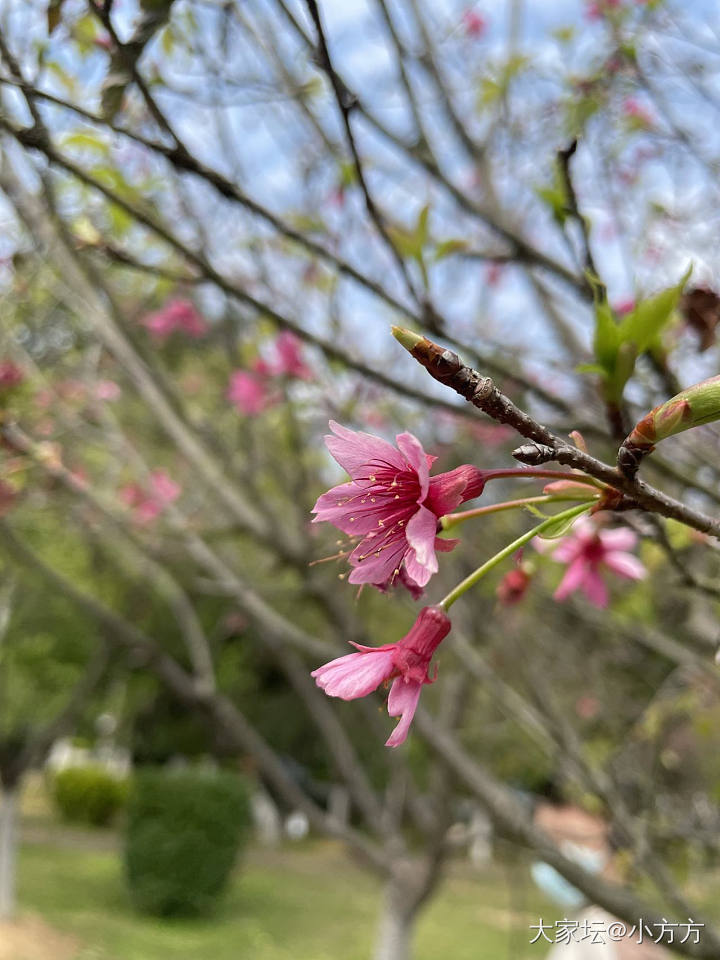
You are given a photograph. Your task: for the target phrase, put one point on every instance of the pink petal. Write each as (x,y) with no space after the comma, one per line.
(574,578)
(377,569)
(336,505)
(412,450)
(621,539)
(420,560)
(568,550)
(595,590)
(355,675)
(444,545)
(402,702)
(625,565)
(357,452)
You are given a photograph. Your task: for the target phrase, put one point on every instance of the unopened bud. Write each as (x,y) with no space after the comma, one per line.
(407,338)
(693,407)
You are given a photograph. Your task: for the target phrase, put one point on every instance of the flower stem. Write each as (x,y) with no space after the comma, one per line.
(542,474)
(507,551)
(451,520)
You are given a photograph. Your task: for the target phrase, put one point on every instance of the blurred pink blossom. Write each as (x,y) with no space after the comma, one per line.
(10,375)
(588,551)
(635,110)
(176,315)
(624,306)
(107,390)
(513,586)
(474,23)
(600,8)
(148,504)
(163,487)
(248,393)
(289,362)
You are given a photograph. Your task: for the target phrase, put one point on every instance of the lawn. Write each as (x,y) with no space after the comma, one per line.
(306,902)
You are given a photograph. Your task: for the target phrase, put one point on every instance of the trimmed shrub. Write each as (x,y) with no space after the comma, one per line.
(88,795)
(184,830)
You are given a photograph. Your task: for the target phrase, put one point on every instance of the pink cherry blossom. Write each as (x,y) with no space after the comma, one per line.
(10,375)
(474,23)
(600,8)
(248,393)
(163,487)
(624,306)
(590,550)
(406,663)
(392,505)
(290,363)
(635,110)
(148,503)
(513,586)
(107,390)
(177,315)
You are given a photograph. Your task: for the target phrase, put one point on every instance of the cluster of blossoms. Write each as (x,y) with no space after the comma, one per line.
(147,503)
(252,391)
(392,511)
(176,316)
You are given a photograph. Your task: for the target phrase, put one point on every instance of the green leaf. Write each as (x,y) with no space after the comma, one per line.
(591,368)
(555,530)
(624,366)
(167,41)
(607,337)
(555,198)
(411,243)
(446,248)
(650,316)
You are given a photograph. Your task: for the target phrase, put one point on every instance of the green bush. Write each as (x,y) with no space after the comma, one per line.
(184,830)
(88,795)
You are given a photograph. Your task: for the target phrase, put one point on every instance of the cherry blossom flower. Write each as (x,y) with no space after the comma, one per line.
(588,551)
(163,487)
(107,390)
(636,111)
(513,586)
(392,505)
(248,393)
(148,504)
(290,363)
(406,663)
(474,23)
(10,375)
(176,315)
(624,306)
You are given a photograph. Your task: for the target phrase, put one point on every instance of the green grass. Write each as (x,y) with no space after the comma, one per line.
(298,903)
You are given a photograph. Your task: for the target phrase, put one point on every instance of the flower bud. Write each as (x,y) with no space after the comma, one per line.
(693,407)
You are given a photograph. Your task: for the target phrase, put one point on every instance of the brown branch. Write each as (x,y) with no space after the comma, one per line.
(446,367)
(345,103)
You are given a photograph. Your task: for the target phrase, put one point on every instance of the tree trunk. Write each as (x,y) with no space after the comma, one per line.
(8,845)
(394,937)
